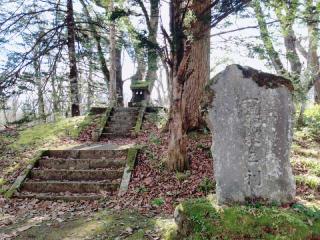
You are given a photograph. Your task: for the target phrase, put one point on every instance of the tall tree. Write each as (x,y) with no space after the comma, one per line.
(113,56)
(312,17)
(152,21)
(267,39)
(119,83)
(199,63)
(39,86)
(97,37)
(287,13)
(73,74)
(180,58)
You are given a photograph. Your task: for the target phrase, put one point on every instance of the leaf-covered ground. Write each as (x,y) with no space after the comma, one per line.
(153,192)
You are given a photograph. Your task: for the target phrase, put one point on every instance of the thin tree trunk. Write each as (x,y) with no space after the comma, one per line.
(199,64)
(41,110)
(55,98)
(266,39)
(61,96)
(5,116)
(312,14)
(151,75)
(113,68)
(286,18)
(102,60)
(291,52)
(119,83)
(73,75)
(89,85)
(300,121)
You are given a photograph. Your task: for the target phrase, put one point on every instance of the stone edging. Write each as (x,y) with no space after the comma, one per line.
(22,177)
(139,121)
(131,159)
(98,131)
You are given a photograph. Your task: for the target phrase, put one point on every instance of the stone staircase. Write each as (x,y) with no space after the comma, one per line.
(75,174)
(85,173)
(120,123)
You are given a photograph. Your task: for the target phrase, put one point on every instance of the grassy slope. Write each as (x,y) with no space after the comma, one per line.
(17,150)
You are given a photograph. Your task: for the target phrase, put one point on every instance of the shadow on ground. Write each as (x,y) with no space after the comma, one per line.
(101,225)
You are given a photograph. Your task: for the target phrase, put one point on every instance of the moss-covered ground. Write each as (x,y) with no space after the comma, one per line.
(206,220)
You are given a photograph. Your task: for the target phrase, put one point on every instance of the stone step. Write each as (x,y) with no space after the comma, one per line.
(111,135)
(75,175)
(86,154)
(117,130)
(122,121)
(71,186)
(123,117)
(125,109)
(56,197)
(119,125)
(84,164)
(97,110)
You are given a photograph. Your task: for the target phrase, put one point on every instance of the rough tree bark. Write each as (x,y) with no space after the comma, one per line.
(177,152)
(180,72)
(199,63)
(73,75)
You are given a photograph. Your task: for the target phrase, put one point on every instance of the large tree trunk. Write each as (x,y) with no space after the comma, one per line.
(177,150)
(199,64)
(73,75)
(177,153)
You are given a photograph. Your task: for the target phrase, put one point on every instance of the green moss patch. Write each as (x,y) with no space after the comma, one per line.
(204,219)
(140,85)
(50,132)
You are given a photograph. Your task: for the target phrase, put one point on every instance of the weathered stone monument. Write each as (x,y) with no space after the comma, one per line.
(251,116)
